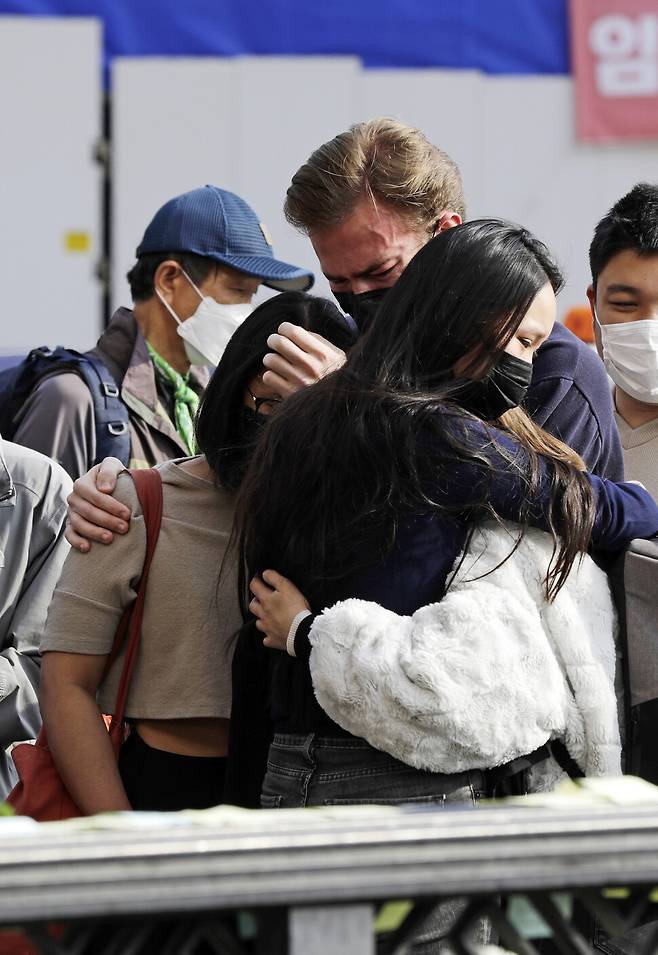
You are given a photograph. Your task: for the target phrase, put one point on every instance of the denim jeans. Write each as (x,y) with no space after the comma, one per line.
(322,771)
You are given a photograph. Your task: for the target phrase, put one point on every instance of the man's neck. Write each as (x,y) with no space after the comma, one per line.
(159,330)
(635,413)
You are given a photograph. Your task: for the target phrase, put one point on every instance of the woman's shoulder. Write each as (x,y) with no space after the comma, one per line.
(186,488)
(451,427)
(191,493)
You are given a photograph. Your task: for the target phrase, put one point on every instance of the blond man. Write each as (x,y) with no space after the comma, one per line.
(368,200)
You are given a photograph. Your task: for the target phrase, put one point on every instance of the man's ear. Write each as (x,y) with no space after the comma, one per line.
(591,297)
(166,278)
(447,220)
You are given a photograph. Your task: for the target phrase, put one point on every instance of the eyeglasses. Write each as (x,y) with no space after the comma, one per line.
(260,402)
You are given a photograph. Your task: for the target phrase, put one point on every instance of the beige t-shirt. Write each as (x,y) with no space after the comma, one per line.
(640,453)
(190,613)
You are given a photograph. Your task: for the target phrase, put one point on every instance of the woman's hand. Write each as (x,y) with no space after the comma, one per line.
(275,605)
(93,512)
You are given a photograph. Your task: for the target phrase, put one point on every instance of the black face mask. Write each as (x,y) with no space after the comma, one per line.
(504,388)
(362,307)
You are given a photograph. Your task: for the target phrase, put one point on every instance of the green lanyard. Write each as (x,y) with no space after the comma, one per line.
(186,401)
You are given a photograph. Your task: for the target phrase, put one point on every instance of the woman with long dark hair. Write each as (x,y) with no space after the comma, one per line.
(180,696)
(370,484)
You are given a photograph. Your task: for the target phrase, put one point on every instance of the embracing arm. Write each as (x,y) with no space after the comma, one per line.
(94,514)
(443,690)
(623,511)
(488,674)
(77,736)
(567,413)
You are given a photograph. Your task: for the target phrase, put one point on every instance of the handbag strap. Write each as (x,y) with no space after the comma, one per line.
(148,485)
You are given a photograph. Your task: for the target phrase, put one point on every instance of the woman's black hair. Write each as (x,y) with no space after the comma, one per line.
(219,426)
(465,292)
(341,465)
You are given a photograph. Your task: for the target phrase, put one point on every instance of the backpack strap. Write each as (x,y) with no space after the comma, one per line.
(110,413)
(17,382)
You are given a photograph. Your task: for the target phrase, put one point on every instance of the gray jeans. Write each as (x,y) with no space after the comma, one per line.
(324,771)
(337,771)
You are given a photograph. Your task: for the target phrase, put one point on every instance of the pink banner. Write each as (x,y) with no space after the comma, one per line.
(615,65)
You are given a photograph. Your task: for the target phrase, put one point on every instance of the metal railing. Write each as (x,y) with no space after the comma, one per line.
(313,882)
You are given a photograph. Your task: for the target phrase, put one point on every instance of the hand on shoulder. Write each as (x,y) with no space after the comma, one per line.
(95,515)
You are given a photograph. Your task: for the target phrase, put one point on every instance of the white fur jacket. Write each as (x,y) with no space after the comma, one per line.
(489,674)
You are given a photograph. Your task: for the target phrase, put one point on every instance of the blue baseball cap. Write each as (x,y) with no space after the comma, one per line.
(219,225)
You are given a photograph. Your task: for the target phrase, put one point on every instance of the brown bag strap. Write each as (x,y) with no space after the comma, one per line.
(148,485)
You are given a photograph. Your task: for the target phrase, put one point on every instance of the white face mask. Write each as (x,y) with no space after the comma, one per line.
(206,333)
(630,355)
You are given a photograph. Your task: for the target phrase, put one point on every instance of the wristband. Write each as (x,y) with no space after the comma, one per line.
(292,633)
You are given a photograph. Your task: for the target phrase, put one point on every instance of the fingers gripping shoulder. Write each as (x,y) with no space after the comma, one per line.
(126,494)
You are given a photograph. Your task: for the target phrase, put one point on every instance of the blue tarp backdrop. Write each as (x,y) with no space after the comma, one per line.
(496,36)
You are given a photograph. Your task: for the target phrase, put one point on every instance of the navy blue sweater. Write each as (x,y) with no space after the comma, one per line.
(415,572)
(570,397)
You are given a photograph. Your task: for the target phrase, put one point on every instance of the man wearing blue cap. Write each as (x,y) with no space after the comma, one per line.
(199,265)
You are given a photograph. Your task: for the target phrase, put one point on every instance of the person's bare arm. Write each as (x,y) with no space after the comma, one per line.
(94,515)
(77,737)
(298,359)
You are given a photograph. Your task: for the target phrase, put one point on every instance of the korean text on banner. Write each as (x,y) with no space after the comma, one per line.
(615,65)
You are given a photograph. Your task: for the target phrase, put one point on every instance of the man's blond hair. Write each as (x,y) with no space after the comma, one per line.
(380,160)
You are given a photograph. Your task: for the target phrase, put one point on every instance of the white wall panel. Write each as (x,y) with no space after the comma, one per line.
(514,141)
(446,104)
(173,123)
(248,124)
(537,174)
(50,185)
(288,107)
(244,124)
